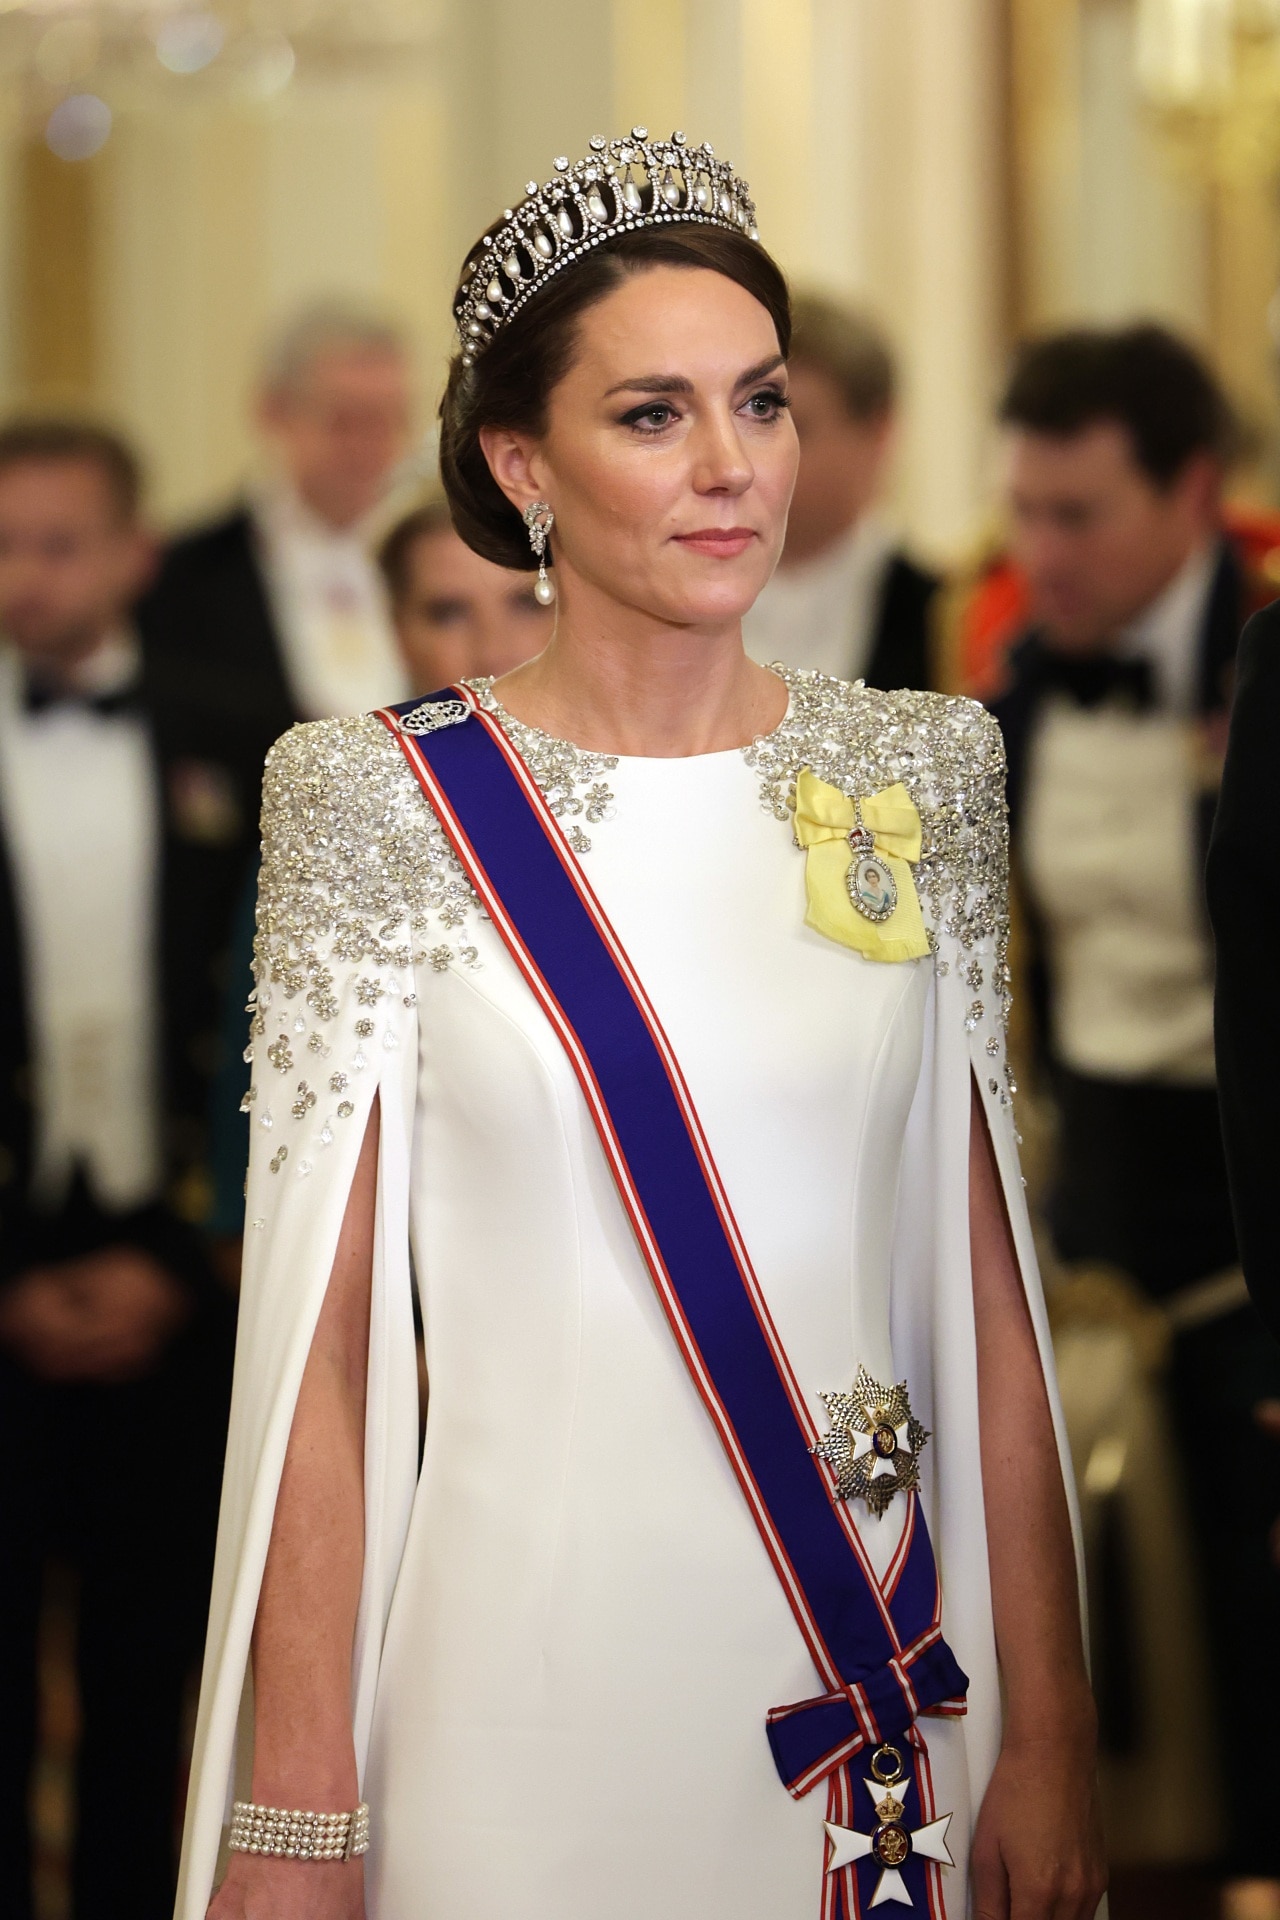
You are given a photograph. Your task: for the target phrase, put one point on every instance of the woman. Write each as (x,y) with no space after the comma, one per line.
(626,1069)
(456,615)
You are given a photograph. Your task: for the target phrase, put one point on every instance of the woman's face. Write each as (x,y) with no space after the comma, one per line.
(669,455)
(458,616)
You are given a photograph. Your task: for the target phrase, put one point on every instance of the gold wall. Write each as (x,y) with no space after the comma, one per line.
(966,167)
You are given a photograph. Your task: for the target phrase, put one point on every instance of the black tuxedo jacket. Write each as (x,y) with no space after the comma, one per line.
(1031,678)
(1244,868)
(219,699)
(215,671)
(186,1011)
(901,651)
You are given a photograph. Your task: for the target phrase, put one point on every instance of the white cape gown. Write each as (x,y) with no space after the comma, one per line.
(570,1634)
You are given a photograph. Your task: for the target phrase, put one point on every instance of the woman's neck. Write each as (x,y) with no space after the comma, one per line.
(638,686)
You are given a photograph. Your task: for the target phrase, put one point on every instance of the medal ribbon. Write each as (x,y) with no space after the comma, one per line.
(824,818)
(877,1647)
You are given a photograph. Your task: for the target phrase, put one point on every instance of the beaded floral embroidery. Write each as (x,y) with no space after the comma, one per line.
(561,770)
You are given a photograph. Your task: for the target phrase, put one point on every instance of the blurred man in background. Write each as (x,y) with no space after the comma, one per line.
(276,608)
(115,1340)
(274,613)
(1114,714)
(457,616)
(846,598)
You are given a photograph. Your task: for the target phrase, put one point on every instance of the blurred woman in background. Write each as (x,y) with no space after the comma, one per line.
(457,616)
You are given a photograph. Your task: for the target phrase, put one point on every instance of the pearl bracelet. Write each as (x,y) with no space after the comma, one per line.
(297,1835)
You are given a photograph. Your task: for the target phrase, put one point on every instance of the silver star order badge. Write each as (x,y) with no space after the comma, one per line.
(874,1442)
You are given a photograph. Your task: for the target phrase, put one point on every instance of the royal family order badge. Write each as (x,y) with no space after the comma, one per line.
(874,1443)
(871,886)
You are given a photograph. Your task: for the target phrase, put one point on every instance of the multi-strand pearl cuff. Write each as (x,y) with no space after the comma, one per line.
(296,1835)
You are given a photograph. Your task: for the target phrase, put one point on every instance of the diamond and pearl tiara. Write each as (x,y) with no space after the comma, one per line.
(622,185)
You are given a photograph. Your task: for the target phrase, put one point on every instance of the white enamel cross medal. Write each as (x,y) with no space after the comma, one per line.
(893,1842)
(874,1442)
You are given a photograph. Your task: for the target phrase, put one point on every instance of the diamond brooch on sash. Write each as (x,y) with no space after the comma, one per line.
(434,714)
(893,1842)
(874,1443)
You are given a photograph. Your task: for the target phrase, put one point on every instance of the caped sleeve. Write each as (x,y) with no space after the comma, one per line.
(335,945)
(963,879)
(955,771)
(353,877)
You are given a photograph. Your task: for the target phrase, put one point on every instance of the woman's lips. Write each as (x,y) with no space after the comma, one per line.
(721,542)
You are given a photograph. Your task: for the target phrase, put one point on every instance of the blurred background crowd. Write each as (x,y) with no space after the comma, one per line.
(1036,247)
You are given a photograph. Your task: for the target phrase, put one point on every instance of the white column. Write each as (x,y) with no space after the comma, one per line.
(781,154)
(182,294)
(951,341)
(873,138)
(12,130)
(649,59)
(713,43)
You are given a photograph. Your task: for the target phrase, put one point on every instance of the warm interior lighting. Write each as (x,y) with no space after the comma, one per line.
(61,51)
(1210,72)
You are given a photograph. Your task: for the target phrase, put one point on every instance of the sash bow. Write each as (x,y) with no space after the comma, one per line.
(812,1738)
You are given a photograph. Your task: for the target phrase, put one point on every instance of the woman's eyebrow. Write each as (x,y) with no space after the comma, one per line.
(677,383)
(759,371)
(652,383)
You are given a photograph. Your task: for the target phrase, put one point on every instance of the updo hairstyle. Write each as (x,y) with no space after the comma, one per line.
(510,382)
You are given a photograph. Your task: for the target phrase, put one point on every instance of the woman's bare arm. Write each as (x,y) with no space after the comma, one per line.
(1036,1852)
(303,1755)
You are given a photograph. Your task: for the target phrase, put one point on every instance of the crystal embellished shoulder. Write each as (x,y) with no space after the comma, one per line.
(949,754)
(356,865)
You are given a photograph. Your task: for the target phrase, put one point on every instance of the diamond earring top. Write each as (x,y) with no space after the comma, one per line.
(539,519)
(620,186)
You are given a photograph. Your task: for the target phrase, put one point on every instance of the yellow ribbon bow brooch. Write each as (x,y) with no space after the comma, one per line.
(857,869)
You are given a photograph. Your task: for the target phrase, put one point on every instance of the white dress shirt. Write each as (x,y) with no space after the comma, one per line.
(822,613)
(1168,632)
(81,820)
(1111,851)
(340,653)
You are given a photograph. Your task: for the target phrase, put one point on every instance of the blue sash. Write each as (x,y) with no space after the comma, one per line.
(877,1645)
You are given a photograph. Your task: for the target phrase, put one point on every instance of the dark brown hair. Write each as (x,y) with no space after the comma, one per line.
(511,381)
(1143,378)
(35,440)
(430,516)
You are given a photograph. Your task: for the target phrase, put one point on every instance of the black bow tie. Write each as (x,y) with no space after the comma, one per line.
(1091,678)
(40,696)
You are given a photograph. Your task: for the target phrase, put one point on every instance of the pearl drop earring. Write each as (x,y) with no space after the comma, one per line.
(539,519)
